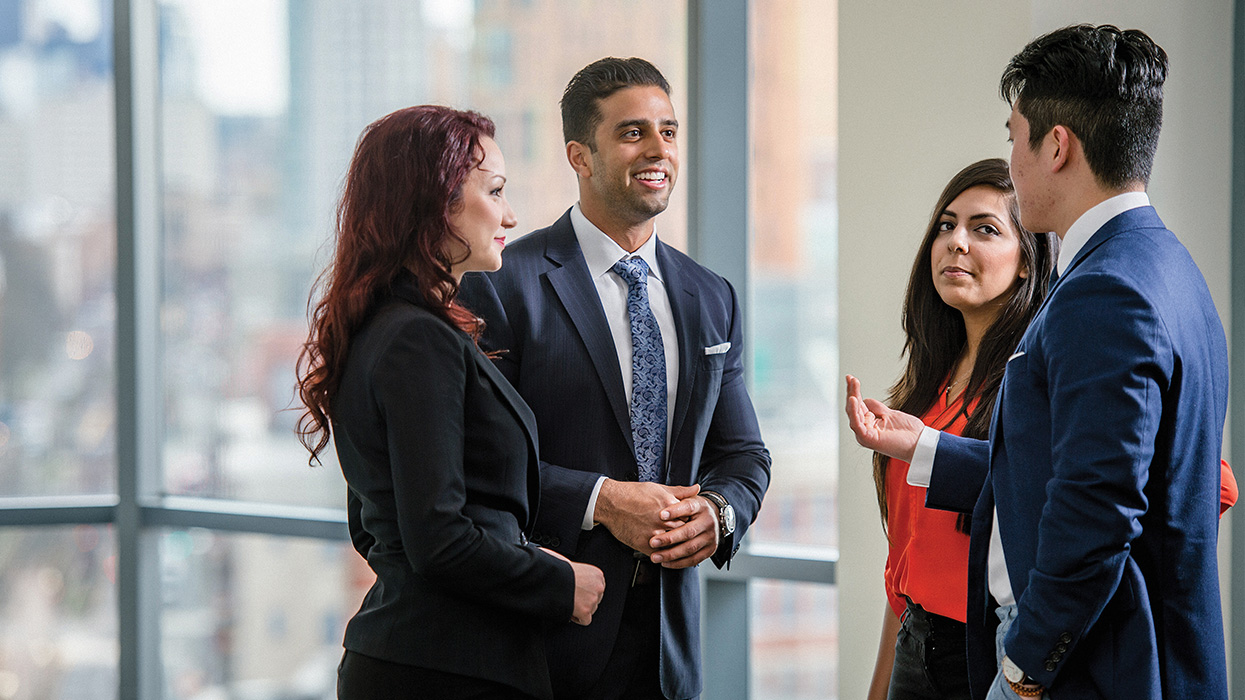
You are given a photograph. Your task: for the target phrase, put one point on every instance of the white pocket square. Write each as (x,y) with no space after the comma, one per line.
(717,349)
(1022,352)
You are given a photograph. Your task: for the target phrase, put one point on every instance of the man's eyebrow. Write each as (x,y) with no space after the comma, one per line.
(644,122)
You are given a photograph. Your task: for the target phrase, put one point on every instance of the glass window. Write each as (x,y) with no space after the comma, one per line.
(793,265)
(57,248)
(250,616)
(793,318)
(252,169)
(795,641)
(58,613)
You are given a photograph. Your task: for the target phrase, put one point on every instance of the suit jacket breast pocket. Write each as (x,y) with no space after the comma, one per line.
(713,363)
(1017,363)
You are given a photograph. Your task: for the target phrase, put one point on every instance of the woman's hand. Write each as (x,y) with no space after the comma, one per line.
(589,588)
(878,428)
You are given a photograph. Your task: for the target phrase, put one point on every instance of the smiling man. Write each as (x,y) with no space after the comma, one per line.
(630,354)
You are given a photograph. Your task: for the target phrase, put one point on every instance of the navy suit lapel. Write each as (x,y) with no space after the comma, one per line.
(685,308)
(573,284)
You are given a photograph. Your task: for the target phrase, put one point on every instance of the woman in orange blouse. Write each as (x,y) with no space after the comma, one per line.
(977,281)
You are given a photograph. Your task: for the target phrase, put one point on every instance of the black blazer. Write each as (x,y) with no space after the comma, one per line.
(439,453)
(542,307)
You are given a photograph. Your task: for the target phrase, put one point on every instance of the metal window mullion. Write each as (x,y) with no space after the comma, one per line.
(718,235)
(179,512)
(718,149)
(136,66)
(750,564)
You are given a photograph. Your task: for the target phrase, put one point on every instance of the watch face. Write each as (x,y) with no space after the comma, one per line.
(728,519)
(1011,671)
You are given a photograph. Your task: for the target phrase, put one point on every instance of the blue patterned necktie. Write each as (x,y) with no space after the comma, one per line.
(648,372)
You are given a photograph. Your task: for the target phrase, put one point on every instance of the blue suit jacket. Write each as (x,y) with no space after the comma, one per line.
(1103,461)
(543,310)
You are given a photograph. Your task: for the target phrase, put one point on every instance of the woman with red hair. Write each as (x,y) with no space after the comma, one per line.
(438,451)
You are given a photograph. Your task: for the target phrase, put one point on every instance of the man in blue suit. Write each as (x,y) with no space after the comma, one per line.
(1092,564)
(630,354)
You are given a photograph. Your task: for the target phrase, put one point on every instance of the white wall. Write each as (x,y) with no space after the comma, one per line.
(919,100)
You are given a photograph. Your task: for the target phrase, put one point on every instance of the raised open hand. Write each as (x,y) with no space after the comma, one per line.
(878,428)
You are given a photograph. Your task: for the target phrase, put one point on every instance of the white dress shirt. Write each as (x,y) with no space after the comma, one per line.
(600,253)
(922,465)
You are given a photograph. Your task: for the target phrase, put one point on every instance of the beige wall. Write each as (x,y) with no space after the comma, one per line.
(918,100)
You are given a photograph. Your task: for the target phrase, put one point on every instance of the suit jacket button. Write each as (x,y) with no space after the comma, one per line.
(1050,665)
(1065,638)
(554,541)
(1061,647)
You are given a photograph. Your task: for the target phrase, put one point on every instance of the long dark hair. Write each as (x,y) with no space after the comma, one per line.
(934,332)
(404,182)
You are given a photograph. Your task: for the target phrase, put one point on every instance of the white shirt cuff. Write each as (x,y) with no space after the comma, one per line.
(588,523)
(922,466)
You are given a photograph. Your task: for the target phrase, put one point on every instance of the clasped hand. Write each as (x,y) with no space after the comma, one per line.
(675,526)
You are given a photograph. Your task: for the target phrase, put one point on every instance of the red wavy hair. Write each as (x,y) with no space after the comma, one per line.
(404,181)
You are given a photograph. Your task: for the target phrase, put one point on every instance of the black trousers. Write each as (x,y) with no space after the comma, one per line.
(931,660)
(362,677)
(632,671)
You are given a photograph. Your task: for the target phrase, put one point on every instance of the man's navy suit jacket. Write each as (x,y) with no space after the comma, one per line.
(543,310)
(1103,462)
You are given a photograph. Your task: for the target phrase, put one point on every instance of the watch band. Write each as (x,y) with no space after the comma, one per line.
(715,498)
(1025,690)
(720,502)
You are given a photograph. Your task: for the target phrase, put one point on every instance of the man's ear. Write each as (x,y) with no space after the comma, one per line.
(1064,139)
(580,158)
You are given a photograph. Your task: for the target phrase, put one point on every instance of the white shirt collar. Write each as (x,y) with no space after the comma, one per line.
(601,252)
(1095,218)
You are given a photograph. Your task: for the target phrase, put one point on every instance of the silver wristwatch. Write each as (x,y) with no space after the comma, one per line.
(726,513)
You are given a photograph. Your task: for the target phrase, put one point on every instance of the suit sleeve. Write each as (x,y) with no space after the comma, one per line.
(564,493)
(961,466)
(1107,360)
(419,384)
(735,462)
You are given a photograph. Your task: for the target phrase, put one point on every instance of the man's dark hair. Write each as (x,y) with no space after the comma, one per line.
(581,111)
(1105,85)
